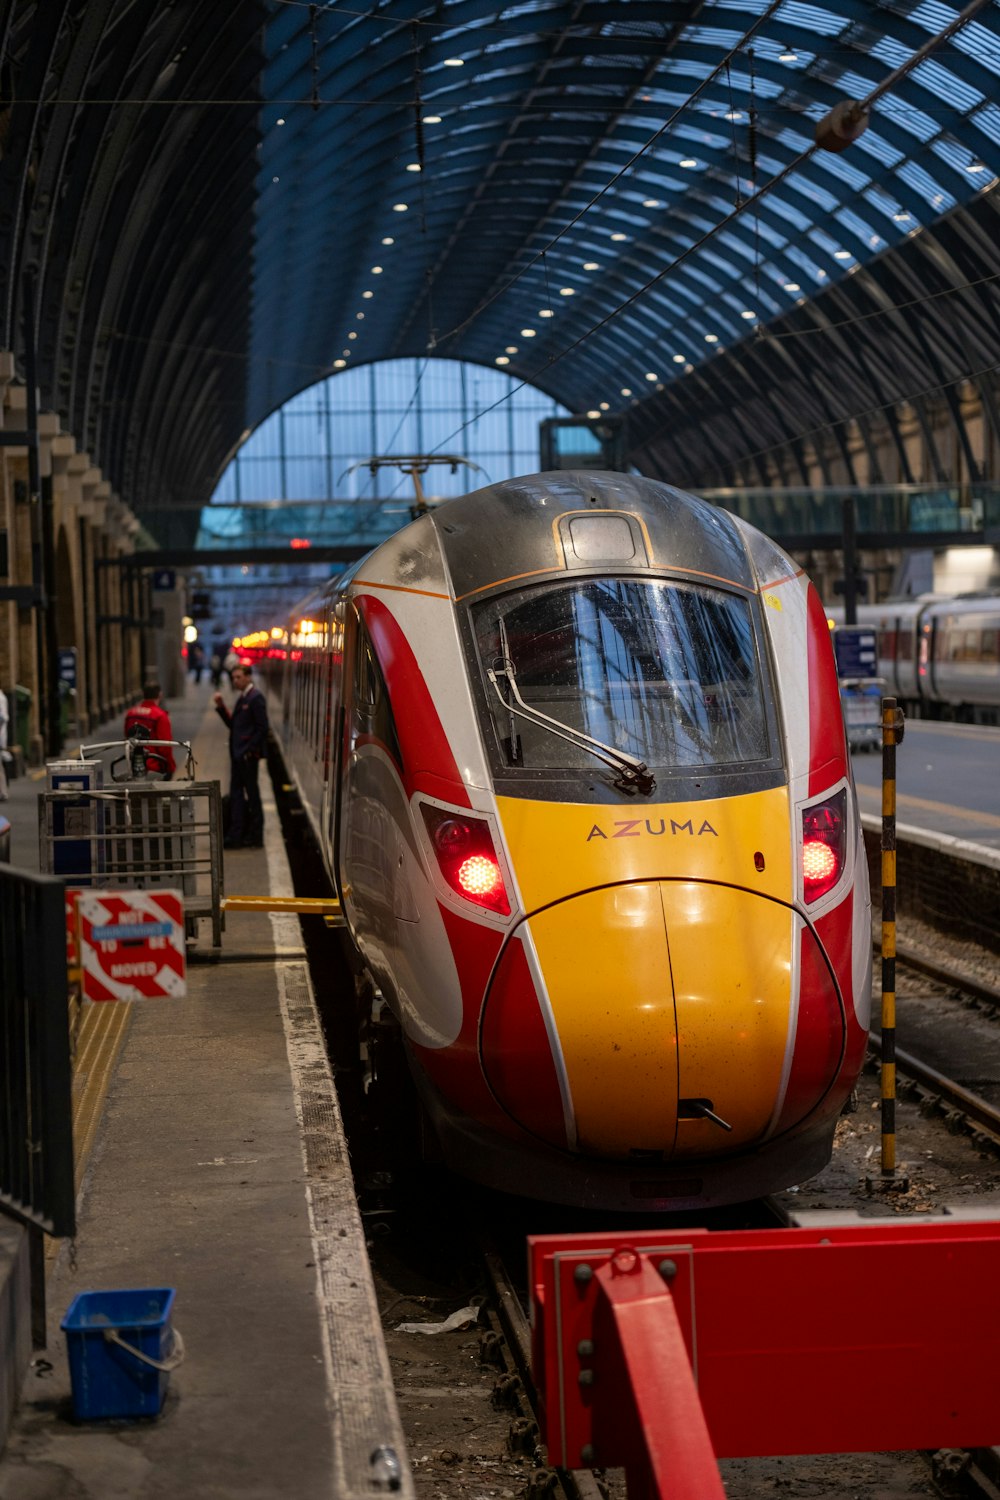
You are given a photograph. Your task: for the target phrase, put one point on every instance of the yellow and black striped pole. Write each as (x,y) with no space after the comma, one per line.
(892,722)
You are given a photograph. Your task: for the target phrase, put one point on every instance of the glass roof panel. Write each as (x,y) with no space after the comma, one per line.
(571,118)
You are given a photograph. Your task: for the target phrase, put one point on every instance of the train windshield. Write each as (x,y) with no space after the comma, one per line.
(664,672)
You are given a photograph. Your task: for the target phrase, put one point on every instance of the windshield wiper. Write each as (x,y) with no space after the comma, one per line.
(632,775)
(515,742)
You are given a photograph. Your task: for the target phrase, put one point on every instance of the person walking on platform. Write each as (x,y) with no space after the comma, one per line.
(153,723)
(247,744)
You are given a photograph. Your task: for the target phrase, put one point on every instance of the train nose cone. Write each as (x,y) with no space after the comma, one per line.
(663,1001)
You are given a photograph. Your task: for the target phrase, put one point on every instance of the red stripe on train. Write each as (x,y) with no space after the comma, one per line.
(827,744)
(422,738)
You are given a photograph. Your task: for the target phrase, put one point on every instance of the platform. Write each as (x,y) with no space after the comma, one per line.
(218,1168)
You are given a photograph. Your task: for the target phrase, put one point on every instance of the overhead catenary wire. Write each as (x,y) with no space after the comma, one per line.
(617,176)
(750,202)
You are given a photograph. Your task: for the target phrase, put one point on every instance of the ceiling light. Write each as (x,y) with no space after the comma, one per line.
(975,166)
(626,391)
(413,166)
(651,203)
(511,349)
(678,359)
(454,62)
(592,416)
(619,236)
(388,240)
(339,364)
(842,255)
(789,55)
(546,312)
(874,239)
(352,335)
(501,359)
(280,122)
(902,217)
(652,377)
(376,270)
(591,265)
(792,286)
(748,314)
(688,161)
(275,179)
(605,406)
(432,119)
(400,208)
(360,317)
(734,114)
(711,338)
(527,333)
(367,294)
(566,291)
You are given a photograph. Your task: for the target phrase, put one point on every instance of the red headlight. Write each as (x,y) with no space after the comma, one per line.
(824,844)
(466,856)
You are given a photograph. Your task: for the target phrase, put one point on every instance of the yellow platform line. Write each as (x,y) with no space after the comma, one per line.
(102,1035)
(99,1040)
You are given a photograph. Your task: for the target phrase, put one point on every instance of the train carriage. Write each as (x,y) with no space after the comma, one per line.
(573,749)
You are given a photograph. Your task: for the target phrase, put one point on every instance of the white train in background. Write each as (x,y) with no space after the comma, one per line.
(939,654)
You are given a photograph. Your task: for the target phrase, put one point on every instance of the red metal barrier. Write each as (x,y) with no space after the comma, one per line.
(661,1353)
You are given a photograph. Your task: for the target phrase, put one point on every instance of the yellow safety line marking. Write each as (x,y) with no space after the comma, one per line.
(311,904)
(100,1038)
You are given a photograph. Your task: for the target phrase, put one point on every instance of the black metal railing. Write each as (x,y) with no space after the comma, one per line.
(36,1111)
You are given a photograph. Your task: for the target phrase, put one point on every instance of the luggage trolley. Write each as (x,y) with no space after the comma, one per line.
(139,833)
(861,689)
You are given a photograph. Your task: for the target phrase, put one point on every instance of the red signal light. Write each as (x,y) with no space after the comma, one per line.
(467,859)
(824,845)
(479,876)
(300,541)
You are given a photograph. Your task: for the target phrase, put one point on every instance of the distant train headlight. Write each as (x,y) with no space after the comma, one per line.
(466,856)
(824,841)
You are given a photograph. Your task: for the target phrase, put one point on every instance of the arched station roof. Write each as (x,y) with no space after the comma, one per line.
(619,201)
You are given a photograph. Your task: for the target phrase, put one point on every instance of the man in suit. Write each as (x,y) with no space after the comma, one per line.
(247,745)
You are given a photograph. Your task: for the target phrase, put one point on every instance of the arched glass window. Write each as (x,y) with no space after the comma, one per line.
(305,471)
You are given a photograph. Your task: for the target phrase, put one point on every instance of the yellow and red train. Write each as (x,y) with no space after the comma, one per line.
(573,750)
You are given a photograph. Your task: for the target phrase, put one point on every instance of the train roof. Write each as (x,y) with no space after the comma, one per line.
(522,528)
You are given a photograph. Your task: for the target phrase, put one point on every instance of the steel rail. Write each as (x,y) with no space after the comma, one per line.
(970,1104)
(952,977)
(579,1484)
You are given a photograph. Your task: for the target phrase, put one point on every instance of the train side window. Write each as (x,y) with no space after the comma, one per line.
(372,710)
(367,678)
(989,646)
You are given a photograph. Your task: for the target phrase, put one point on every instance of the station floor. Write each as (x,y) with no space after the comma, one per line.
(217,1167)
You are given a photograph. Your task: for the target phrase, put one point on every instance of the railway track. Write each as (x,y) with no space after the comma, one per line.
(933,1078)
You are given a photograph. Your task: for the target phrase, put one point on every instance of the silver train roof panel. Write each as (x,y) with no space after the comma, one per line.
(509,534)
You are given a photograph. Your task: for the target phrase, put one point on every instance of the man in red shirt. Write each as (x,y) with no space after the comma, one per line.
(149,715)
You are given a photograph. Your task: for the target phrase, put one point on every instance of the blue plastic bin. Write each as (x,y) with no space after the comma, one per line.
(109,1380)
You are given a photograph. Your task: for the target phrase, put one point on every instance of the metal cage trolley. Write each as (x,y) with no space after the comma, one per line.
(139,833)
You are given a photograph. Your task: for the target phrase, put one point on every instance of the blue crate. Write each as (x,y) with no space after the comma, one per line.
(110,1380)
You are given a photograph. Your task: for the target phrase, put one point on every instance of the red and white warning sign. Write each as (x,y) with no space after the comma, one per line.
(132,944)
